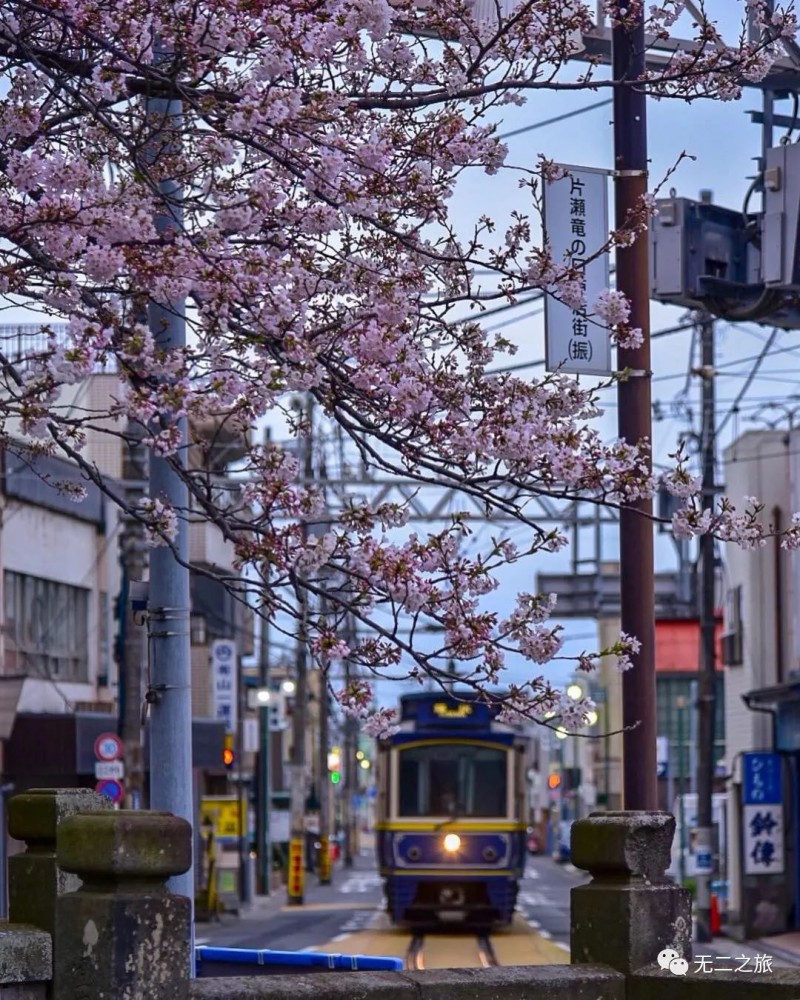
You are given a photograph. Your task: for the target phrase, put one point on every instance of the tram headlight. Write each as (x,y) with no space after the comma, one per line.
(452,842)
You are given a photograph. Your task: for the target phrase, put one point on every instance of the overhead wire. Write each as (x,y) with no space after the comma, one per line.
(556,120)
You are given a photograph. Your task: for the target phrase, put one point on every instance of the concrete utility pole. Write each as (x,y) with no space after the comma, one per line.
(635,423)
(707,678)
(133,651)
(171,782)
(295,885)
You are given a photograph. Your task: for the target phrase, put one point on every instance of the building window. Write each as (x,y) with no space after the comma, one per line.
(46,627)
(680,732)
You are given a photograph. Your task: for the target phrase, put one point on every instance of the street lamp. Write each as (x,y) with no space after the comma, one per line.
(575,692)
(288,687)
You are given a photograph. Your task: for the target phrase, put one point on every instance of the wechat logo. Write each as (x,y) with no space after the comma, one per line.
(670,959)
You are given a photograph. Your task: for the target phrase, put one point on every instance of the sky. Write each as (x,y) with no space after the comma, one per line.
(721,144)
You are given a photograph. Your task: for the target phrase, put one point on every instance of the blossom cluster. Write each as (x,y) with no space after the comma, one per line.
(296,215)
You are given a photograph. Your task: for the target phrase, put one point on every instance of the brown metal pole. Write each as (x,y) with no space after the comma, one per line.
(707,678)
(636,528)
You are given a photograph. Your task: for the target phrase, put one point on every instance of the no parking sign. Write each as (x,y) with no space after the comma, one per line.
(111,789)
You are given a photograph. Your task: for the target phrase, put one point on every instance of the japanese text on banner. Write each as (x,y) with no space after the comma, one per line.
(576,227)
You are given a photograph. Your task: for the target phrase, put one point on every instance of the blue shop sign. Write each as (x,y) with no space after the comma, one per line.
(762,779)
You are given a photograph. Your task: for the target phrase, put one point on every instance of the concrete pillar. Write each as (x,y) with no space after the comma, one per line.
(34,877)
(122,934)
(631,910)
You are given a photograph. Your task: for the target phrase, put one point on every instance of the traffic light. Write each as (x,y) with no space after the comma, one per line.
(335,765)
(228,755)
(554,781)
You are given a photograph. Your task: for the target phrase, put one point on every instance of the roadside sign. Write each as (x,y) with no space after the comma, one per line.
(108,746)
(295,879)
(223,813)
(104,769)
(762,814)
(703,861)
(662,756)
(762,833)
(576,229)
(762,779)
(224,682)
(111,789)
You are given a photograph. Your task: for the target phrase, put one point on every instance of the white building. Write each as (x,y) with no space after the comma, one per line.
(761,652)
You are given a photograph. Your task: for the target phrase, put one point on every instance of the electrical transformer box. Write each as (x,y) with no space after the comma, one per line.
(698,251)
(781,225)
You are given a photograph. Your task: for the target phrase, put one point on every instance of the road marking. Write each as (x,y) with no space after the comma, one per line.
(560,944)
(535,899)
(531,873)
(545,934)
(340,937)
(313,907)
(534,924)
(361,883)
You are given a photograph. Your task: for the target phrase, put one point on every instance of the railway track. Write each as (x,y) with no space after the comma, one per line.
(415,956)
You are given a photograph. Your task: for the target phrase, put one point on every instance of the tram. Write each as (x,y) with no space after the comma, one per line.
(451,813)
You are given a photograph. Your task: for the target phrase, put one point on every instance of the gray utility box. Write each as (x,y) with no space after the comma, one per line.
(701,251)
(782,217)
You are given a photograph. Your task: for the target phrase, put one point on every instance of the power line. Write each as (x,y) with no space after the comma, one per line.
(748,382)
(554,121)
(535,364)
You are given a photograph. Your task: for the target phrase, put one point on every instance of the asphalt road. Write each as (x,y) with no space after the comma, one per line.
(544,897)
(353,904)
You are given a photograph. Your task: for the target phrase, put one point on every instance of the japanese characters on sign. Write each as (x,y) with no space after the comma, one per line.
(224,683)
(762,819)
(576,227)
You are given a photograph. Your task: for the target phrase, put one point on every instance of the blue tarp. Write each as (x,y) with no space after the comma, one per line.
(223,962)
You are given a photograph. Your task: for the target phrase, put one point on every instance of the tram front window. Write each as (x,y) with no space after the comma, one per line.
(461,780)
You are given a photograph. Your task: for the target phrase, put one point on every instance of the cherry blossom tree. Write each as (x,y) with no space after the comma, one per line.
(313,167)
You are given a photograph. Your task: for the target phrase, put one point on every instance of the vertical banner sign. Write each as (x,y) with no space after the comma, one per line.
(224,683)
(295,886)
(762,822)
(576,227)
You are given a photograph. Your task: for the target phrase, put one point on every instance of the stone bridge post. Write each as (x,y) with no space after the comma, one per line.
(122,935)
(34,877)
(631,910)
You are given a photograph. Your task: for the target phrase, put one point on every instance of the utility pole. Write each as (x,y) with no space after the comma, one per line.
(132,650)
(171,786)
(264,780)
(707,678)
(324,861)
(680,705)
(349,760)
(295,886)
(635,423)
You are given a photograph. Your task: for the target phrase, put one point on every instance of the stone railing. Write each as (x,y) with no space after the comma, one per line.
(91,919)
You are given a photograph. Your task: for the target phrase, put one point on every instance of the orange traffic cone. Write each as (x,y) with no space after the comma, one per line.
(716,923)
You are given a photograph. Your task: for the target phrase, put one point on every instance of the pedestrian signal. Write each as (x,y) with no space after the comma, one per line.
(335,766)
(554,781)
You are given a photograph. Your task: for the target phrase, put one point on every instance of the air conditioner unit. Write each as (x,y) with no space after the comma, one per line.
(732,649)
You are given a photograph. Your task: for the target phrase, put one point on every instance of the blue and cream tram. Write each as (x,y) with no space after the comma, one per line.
(451,813)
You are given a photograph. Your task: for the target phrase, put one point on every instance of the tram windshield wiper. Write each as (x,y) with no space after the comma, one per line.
(450,819)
